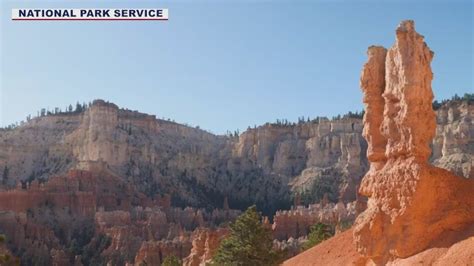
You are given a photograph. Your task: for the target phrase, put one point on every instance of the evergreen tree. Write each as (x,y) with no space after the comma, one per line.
(5,175)
(317,234)
(468,97)
(171,261)
(6,259)
(3,257)
(78,108)
(436,105)
(249,243)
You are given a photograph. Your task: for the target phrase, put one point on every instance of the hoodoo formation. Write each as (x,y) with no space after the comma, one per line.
(411,203)
(413,207)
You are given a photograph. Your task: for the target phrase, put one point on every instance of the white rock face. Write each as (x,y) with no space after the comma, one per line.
(264,164)
(453,146)
(300,154)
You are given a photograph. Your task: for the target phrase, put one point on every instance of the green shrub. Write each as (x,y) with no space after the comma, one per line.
(344,225)
(171,261)
(249,243)
(318,233)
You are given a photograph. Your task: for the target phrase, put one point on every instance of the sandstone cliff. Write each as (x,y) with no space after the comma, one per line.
(107,169)
(97,212)
(296,223)
(266,164)
(204,245)
(453,145)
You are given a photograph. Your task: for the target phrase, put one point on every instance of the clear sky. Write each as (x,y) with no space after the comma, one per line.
(222,65)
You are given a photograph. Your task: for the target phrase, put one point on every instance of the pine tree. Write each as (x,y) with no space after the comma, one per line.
(318,233)
(6,259)
(5,175)
(249,243)
(78,108)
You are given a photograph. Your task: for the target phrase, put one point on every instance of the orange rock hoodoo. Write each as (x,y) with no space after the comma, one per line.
(205,244)
(411,203)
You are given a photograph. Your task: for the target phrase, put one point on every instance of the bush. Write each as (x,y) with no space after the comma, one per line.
(171,261)
(328,183)
(317,234)
(249,243)
(92,252)
(344,225)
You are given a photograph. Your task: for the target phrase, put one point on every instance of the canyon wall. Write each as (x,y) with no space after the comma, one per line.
(268,164)
(296,223)
(453,144)
(98,212)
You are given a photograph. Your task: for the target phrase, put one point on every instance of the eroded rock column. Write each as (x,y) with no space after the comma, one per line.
(411,203)
(372,82)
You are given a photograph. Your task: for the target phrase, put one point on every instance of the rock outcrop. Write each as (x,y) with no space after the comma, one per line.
(306,153)
(416,213)
(48,222)
(82,192)
(151,234)
(198,168)
(296,223)
(265,164)
(411,203)
(453,145)
(204,245)
(155,252)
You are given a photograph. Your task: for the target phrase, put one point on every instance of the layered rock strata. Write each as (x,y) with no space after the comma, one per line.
(195,167)
(264,164)
(297,222)
(453,145)
(47,222)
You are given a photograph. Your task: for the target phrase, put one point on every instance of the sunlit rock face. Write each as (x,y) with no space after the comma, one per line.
(205,243)
(297,222)
(411,203)
(453,145)
(265,164)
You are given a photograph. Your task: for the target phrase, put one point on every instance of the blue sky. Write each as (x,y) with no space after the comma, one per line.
(222,65)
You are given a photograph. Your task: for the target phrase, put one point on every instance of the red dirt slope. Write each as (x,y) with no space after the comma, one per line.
(340,251)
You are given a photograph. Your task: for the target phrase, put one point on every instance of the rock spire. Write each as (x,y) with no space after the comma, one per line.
(411,203)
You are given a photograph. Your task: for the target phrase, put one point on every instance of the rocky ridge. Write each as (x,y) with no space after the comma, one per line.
(266,164)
